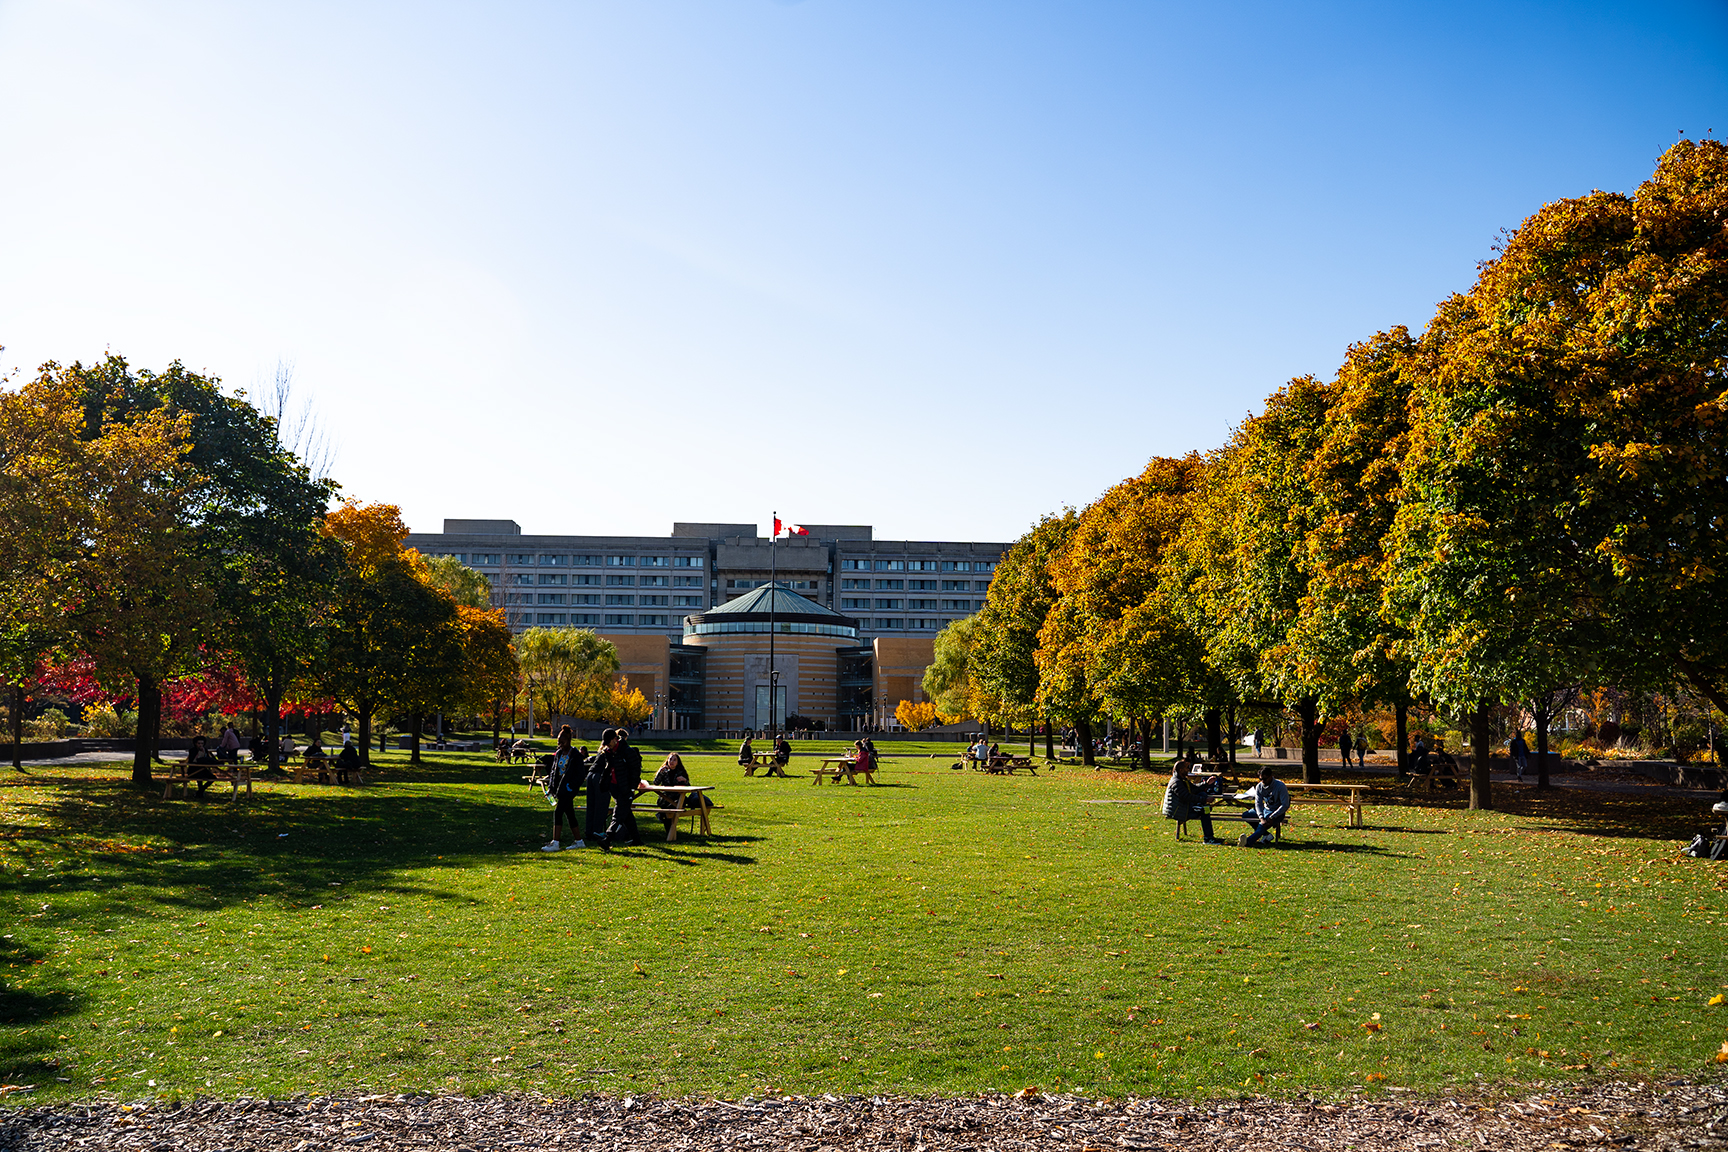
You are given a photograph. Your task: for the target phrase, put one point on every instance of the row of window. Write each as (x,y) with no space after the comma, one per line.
(914,585)
(894,604)
(918,565)
(566,560)
(593,580)
(616,601)
(580,619)
(796,585)
(907,624)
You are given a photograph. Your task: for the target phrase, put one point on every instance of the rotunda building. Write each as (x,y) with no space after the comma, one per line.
(819,671)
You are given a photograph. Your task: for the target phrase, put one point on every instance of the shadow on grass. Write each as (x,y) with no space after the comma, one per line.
(1580,811)
(113,851)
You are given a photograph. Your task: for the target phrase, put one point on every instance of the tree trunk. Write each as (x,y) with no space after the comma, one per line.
(144,743)
(1230,734)
(419,718)
(1049,739)
(1309,710)
(18,726)
(273,728)
(1541,716)
(497,720)
(1401,716)
(1481,784)
(1032,739)
(365,711)
(1083,733)
(1214,745)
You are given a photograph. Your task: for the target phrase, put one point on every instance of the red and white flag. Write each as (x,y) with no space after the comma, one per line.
(790,529)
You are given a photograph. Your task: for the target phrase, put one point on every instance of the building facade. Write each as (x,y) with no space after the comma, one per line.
(652,597)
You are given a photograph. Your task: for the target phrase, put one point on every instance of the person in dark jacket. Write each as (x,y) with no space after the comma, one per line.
(1192,796)
(1344,747)
(600,789)
(567,766)
(626,782)
(672,773)
(347,760)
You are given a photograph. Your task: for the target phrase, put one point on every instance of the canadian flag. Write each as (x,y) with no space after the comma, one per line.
(789,529)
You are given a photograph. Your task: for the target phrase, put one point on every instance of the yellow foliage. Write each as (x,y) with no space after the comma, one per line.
(626,705)
(915,716)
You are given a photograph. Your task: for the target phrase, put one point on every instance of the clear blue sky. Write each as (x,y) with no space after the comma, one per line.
(939,267)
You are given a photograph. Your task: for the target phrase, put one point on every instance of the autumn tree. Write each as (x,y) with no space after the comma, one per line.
(1343,633)
(397,638)
(1002,661)
(623,705)
(915,715)
(1234,573)
(462,583)
(1140,655)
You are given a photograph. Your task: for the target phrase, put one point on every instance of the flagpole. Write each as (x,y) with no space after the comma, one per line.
(773,575)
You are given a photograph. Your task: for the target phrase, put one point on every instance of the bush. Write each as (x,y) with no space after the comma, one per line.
(103,720)
(51,725)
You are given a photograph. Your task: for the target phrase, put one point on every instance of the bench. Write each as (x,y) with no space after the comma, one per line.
(765,760)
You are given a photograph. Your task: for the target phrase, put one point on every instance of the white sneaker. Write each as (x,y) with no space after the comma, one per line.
(578,844)
(1720,808)
(552,847)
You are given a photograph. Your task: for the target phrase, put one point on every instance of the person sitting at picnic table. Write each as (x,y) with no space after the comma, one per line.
(782,751)
(315,758)
(286,748)
(980,751)
(1271,805)
(200,765)
(1445,767)
(1190,800)
(862,760)
(228,745)
(672,774)
(347,760)
(747,751)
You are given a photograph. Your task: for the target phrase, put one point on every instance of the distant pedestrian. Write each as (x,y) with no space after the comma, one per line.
(1520,753)
(1344,748)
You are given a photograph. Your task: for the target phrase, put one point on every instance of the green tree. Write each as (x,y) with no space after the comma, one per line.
(568,671)
(1343,634)
(463,584)
(947,683)
(1234,573)
(1002,662)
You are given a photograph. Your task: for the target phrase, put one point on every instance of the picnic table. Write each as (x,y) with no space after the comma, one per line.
(1000,763)
(763,760)
(684,792)
(320,767)
(1350,797)
(838,766)
(240,773)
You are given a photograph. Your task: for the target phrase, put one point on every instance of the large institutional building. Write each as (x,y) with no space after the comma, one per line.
(853,619)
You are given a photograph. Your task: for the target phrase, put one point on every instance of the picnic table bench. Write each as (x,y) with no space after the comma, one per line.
(1000,763)
(838,766)
(240,773)
(698,814)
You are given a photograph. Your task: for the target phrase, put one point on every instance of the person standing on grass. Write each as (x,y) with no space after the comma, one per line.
(600,789)
(1520,753)
(1344,748)
(1271,805)
(566,764)
(626,782)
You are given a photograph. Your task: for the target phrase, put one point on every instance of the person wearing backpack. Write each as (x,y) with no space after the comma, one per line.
(626,782)
(1185,799)
(567,764)
(599,782)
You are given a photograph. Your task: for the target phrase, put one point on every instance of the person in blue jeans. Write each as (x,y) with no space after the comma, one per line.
(1271,805)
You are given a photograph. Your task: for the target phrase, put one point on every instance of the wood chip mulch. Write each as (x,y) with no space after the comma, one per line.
(1676,1115)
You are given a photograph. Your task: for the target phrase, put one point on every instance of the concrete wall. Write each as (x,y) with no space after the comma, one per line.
(645,658)
(900,664)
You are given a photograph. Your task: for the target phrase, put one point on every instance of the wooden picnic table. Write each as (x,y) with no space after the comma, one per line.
(1347,796)
(838,766)
(322,766)
(182,778)
(684,791)
(764,760)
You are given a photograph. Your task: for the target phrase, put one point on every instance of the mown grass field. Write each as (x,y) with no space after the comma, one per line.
(946,932)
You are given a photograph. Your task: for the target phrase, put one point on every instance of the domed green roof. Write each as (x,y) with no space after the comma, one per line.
(788,612)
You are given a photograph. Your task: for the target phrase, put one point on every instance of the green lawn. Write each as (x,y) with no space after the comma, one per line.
(947,932)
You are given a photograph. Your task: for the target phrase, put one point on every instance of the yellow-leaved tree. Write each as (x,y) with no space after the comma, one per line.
(915,715)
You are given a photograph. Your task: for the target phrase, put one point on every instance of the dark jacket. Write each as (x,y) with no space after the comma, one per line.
(566,783)
(624,766)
